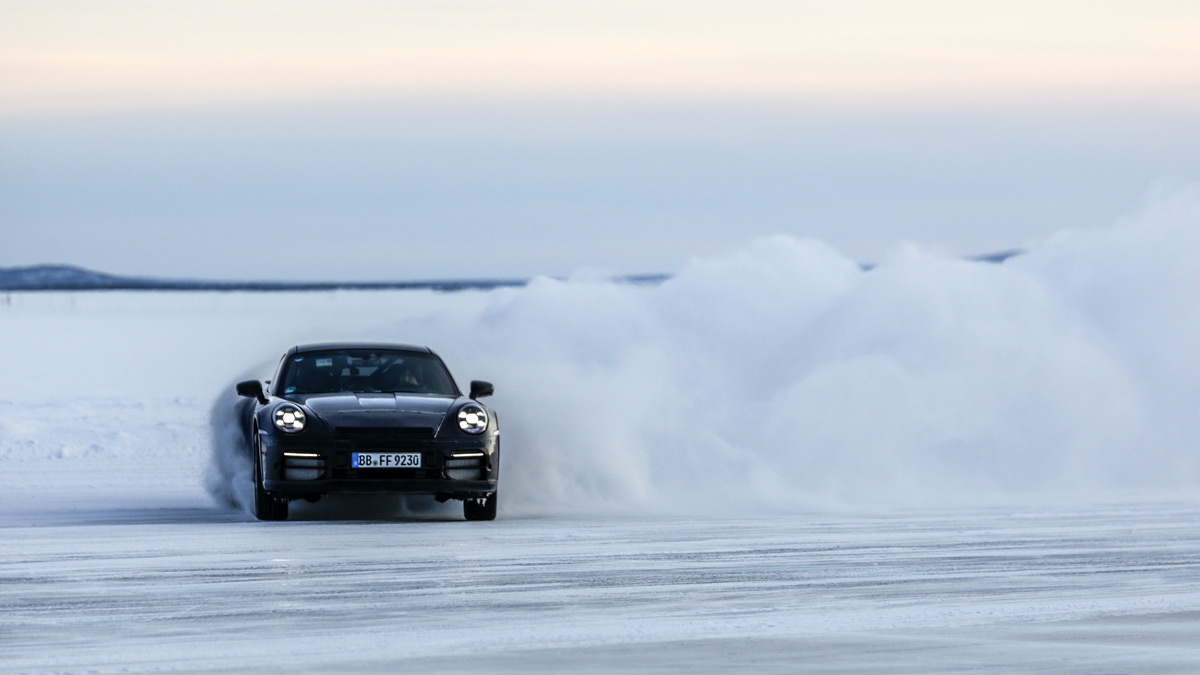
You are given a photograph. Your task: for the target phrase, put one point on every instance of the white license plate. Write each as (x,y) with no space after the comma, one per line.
(385,460)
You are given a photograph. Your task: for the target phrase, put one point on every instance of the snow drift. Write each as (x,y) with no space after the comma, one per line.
(783,376)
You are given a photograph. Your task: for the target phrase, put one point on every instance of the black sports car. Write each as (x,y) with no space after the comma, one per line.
(351,417)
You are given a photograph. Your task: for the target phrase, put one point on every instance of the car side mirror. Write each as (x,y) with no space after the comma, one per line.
(479,389)
(252,389)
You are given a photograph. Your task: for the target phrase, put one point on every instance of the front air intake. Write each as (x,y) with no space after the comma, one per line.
(298,466)
(465,467)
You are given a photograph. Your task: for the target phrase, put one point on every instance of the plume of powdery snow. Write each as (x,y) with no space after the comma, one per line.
(784,377)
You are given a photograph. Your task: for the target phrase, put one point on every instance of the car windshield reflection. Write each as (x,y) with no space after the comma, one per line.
(366,371)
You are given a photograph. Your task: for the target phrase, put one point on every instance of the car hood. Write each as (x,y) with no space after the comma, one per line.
(347,409)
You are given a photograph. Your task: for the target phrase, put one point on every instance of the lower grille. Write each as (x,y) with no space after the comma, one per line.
(386,474)
(302,468)
(465,468)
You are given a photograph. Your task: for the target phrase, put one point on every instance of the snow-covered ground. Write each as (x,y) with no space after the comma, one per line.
(180,586)
(773,461)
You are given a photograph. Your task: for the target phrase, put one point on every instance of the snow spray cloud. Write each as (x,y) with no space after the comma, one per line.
(784,377)
(230,471)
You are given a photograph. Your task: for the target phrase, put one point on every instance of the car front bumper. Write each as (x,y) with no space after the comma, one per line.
(308,466)
(454,489)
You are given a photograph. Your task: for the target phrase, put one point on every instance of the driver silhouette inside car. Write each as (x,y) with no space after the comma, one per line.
(398,378)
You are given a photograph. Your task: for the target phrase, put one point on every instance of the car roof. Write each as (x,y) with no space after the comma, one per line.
(328,346)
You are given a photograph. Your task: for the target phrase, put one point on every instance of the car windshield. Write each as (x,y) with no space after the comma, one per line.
(364,371)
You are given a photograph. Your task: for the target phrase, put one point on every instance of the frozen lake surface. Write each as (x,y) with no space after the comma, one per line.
(645,525)
(184,586)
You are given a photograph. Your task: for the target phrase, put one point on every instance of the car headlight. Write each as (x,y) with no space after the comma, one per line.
(472,419)
(289,418)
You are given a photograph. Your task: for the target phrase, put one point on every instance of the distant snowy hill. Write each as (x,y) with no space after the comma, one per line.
(41,277)
(997,257)
(71,278)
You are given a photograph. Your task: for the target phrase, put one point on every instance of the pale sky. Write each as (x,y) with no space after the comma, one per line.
(373,139)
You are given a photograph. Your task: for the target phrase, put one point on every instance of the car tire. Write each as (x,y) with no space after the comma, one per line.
(480,509)
(266,505)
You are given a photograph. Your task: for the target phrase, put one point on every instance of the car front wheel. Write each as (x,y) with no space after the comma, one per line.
(480,509)
(266,505)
